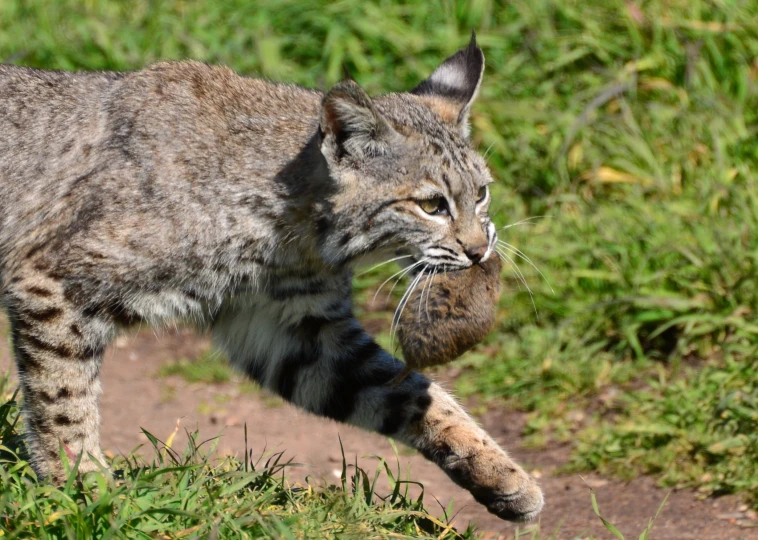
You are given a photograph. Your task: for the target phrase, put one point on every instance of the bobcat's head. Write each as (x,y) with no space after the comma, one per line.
(408,180)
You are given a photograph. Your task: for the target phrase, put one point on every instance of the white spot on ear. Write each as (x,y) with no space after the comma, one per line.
(450,75)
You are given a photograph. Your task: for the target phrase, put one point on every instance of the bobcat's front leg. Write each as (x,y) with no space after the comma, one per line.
(328,365)
(446,435)
(424,416)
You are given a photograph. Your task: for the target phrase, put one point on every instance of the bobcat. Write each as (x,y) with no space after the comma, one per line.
(185,191)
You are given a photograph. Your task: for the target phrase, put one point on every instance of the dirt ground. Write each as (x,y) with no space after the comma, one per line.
(136,397)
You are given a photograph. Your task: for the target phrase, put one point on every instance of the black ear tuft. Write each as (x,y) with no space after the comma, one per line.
(346,72)
(456,81)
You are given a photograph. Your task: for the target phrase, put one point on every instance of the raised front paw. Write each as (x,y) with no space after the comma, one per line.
(514,495)
(475,462)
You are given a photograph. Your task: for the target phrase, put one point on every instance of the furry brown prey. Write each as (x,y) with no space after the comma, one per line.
(443,319)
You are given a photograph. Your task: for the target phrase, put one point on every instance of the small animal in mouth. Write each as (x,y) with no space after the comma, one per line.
(445,318)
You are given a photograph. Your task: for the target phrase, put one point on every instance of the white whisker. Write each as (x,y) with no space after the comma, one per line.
(400,273)
(389,294)
(518,252)
(528,220)
(507,260)
(487,152)
(404,300)
(383,263)
(401,306)
(521,278)
(428,292)
(423,287)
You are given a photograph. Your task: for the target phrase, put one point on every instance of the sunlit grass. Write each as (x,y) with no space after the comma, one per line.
(194,494)
(208,367)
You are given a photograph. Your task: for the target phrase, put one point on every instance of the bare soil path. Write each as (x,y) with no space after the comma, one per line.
(136,397)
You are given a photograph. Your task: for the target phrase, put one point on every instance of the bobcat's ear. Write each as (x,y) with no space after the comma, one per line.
(350,124)
(453,86)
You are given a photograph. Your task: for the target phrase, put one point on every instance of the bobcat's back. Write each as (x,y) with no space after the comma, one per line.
(105,152)
(49,122)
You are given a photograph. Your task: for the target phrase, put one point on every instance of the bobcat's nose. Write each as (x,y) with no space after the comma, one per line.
(476,253)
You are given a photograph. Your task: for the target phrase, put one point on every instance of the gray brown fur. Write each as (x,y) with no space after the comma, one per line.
(445,318)
(186,192)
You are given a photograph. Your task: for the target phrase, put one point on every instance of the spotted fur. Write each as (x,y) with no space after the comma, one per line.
(184,191)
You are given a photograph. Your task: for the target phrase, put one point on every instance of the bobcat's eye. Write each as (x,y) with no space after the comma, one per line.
(436,206)
(482,194)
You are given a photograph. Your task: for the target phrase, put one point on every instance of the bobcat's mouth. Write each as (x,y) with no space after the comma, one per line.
(427,267)
(435,258)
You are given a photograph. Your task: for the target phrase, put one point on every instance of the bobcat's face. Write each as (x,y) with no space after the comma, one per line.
(410,184)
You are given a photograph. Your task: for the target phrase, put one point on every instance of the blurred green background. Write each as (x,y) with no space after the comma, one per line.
(626,130)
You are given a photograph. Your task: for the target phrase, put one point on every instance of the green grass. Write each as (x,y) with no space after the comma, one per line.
(211,367)
(631,126)
(208,367)
(192,494)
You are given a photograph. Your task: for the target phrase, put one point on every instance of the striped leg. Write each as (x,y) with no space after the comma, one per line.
(328,365)
(58,353)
